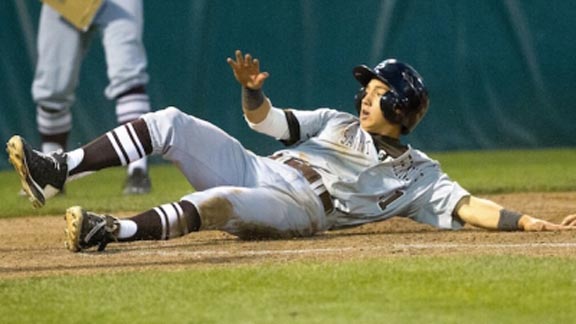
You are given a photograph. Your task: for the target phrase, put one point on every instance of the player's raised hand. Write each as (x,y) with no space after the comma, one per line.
(247,71)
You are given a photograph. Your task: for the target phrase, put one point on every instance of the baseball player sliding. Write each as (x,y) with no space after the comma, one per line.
(338,170)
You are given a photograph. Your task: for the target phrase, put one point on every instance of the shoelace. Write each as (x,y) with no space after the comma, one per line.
(45,168)
(94,230)
(50,158)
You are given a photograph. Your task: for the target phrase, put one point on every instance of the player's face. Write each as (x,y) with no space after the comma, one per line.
(371,117)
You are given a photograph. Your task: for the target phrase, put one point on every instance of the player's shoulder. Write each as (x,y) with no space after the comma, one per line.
(421,156)
(337,114)
(324,115)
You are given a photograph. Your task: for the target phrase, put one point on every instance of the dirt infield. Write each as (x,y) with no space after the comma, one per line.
(33,246)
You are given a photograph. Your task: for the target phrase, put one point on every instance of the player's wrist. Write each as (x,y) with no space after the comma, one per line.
(252,99)
(510,220)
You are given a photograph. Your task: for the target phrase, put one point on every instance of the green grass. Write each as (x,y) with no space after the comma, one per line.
(408,289)
(402,289)
(512,171)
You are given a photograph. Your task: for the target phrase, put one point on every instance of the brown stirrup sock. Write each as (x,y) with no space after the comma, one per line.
(165,222)
(120,146)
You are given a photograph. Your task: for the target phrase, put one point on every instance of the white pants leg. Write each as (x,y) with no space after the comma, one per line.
(237,191)
(121,23)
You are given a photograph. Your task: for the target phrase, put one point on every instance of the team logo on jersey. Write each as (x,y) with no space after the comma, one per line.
(355,139)
(348,136)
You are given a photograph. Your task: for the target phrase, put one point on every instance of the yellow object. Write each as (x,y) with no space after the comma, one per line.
(79,13)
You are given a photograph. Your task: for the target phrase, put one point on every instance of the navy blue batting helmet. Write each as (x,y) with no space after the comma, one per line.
(407,101)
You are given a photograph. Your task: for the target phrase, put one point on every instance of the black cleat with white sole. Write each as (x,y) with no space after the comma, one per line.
(85,229)
(41,175)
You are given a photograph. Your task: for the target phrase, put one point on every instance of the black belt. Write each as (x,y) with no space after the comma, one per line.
(313,178)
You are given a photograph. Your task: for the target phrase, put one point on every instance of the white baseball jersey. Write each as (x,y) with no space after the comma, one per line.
(248,195)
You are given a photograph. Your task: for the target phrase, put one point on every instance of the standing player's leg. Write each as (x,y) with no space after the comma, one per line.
(60,50)
(121,22)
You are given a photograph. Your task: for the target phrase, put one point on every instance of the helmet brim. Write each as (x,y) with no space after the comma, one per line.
(364,74)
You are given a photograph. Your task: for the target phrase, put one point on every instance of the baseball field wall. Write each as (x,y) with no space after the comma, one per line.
(501,73)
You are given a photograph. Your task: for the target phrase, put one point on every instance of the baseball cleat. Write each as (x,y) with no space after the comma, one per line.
(86,229)
(137,183)
(42,175)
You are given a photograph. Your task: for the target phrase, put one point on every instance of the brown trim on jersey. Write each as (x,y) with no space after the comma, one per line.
(293,128)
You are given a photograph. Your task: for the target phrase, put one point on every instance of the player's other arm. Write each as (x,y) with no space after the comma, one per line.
(490,215)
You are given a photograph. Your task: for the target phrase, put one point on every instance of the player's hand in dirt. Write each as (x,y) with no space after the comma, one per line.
(569,220)
(531,224)
(247,71)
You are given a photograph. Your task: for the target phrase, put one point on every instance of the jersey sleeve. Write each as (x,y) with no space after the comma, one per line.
(291,126)
(274,125)
(304,124)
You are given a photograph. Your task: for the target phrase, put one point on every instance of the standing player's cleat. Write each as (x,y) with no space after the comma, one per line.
(42,175)
(138,183)
(86,229)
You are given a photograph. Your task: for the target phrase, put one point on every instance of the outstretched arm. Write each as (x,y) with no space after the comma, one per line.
(489,215)
(247,72)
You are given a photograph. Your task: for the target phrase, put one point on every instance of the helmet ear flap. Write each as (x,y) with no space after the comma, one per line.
(389,104)
(358,99)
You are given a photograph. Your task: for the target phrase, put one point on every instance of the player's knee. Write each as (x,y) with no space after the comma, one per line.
(170,113)
(215,213)
(214,207)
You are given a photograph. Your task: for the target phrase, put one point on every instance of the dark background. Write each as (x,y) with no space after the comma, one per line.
(500,73)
